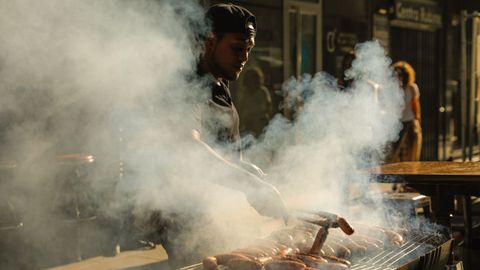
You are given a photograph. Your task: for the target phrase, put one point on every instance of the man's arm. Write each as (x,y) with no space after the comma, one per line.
(262,196)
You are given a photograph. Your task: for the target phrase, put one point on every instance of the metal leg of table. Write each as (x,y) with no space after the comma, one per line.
(442,205)
(467,218)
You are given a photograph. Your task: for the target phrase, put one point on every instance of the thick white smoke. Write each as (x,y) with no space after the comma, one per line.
(115,79)
(335,133)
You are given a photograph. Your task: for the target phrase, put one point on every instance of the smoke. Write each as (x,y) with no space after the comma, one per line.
(116,80)
(316,158)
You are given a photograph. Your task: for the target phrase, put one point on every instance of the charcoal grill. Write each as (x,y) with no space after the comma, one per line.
(420,252)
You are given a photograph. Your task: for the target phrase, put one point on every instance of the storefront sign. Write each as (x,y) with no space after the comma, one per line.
(422,12)
(341,41)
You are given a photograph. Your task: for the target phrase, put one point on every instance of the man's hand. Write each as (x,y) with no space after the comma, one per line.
(266,199)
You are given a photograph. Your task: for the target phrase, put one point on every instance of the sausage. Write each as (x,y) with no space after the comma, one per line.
(327,249)
(292,257)
(251,252)
(350,244)
(209,263)
(319,240)
(272,244)
(263,260)
(332,266)
(310,261)
(226,257)
(242,264)
(338,260)
(287,251)
(371,247)
(370,240)
(284,265)
(345,226)
(283,238)
(304,247)
(392,236)
(341,250)
(395,238)
(270,250)
(371,230)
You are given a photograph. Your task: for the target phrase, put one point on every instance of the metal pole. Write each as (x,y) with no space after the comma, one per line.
(463,78)
(299,44)
(472,101)
(473,82)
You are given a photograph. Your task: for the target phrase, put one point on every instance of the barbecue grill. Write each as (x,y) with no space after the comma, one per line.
(420,251)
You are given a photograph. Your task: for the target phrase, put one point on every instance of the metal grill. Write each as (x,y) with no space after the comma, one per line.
(420,251)
(425,251)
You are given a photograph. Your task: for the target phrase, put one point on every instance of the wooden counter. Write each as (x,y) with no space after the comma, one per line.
(439,179)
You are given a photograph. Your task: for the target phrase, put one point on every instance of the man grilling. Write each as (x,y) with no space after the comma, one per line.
(226,52)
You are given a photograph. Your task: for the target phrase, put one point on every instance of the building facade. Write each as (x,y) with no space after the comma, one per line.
(307,36)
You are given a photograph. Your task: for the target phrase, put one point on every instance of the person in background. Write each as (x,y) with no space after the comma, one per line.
(255,102)
(409,144)
(345,82)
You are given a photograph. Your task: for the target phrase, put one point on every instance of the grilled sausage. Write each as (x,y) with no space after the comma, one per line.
(368,243)
(283,238)
(209,263)
(392,236)
(345,226)
(287,251)
(340,249)
(292,257)
(350,244)
(270,250)
(226,257)
(263,260)
(337,260)
(242,264)
(310,261)
(395,238)
(328,250)
(332,266)
(251,252)
(284,265)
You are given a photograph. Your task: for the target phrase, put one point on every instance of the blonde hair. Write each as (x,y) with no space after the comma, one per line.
(407,72)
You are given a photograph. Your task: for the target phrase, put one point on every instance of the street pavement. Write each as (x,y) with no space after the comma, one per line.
(132,260)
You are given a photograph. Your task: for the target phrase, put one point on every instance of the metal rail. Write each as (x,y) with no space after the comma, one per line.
(392,259)
(468,95)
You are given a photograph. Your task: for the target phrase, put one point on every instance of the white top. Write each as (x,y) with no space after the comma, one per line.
(409,92)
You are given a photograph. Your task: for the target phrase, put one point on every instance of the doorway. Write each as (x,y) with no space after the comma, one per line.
(302,38)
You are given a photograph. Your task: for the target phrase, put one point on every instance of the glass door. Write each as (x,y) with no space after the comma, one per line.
(302,43)
(302,38)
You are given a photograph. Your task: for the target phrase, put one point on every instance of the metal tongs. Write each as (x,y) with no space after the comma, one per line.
(327,220)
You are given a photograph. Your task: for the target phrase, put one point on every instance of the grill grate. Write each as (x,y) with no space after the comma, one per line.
(428,252)
(415,250)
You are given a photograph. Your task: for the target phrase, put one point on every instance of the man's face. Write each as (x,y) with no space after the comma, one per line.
(228,54)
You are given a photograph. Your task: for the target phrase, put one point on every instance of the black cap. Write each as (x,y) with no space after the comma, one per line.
(230,18)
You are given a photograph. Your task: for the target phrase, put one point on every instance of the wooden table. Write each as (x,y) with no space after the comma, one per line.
(441,180)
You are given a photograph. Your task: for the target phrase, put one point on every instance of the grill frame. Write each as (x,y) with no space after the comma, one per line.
(434,259)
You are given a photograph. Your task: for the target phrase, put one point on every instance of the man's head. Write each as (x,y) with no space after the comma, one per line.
(228,45)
